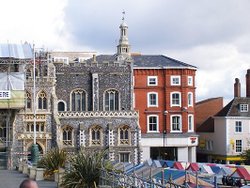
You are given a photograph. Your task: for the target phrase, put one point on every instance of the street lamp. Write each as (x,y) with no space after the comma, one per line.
(34,148)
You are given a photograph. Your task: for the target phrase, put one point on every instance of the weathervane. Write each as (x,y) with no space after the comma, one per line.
(123,12)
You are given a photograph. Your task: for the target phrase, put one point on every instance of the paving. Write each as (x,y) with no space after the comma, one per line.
(13,178)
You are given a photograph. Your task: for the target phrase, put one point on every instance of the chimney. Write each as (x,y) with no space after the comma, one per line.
(248,83)
(237,87)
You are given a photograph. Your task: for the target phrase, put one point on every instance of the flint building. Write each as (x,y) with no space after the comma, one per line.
(74,99)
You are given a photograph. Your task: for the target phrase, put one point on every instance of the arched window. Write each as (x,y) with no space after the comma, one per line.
(152,99)
(2,131)
(40,127)
(176,123)
(111,100)
(42,100)
(124,135)
(61,106)
(96,135)
(45,70)
(67,136)
(175,99)
(78,100)
(28,100)
(36,72)
(190,99)
(28,74)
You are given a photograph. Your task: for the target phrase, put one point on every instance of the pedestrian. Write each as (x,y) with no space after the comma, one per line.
(28,183)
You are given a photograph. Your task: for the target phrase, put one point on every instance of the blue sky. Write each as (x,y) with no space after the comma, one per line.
(212,35)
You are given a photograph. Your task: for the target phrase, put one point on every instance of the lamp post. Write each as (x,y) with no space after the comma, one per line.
(34,149)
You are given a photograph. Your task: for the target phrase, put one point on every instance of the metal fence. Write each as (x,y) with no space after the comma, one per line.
(112,179)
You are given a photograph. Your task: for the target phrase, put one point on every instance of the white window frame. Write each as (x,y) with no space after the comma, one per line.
(173,80)
(190,80)
(157,123)
(238,125)
(238,146)
(155,78)
(243,107)
(191,123)
(171,123)
(64,60)
(171,98)
(149,101)
(190,99)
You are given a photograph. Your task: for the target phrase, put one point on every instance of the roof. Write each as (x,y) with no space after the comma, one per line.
(193,167)
(16,51)
(149,61)
(241,173)
(233,108)
(178,166)
(159,61)
(207,126)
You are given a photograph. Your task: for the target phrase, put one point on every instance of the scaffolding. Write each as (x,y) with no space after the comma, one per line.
(13,58)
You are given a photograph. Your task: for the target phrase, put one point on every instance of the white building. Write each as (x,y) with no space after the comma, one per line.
(230,134)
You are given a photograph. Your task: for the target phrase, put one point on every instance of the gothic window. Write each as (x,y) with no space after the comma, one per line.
(45,70)
(78,100)
(67,136)
(96,135)
(28,100)
(124,134)
(28,74)
(42,101)
(2,131)
(40,127)
(36,72)
(111,100)
(61,106)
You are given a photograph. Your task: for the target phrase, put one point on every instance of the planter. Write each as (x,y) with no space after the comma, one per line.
(20,166)
(39,174)
(58,176)
(25,169)
(32,174)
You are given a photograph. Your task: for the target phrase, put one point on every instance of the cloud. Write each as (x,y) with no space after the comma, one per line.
(212,36)
(41,22)
(218,66)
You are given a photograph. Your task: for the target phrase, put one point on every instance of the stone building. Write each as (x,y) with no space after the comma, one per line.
(75,100)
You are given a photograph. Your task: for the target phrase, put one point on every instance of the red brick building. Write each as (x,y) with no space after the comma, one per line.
(164,91)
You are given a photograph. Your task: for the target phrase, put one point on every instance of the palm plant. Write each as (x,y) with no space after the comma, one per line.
(52,161)
(85,169)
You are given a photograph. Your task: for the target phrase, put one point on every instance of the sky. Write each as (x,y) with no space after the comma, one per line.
(213,35)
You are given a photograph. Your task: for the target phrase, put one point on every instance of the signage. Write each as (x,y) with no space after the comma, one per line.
(5,94)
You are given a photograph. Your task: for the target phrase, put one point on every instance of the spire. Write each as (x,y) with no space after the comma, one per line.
(123,48)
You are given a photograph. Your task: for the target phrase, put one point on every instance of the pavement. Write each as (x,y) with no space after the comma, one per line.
(13,178)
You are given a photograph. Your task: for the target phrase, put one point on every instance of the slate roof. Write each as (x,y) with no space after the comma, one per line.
(233,108)
(207,126)
(149,61)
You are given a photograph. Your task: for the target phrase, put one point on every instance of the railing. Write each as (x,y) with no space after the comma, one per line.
(121,180)
(70,114)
